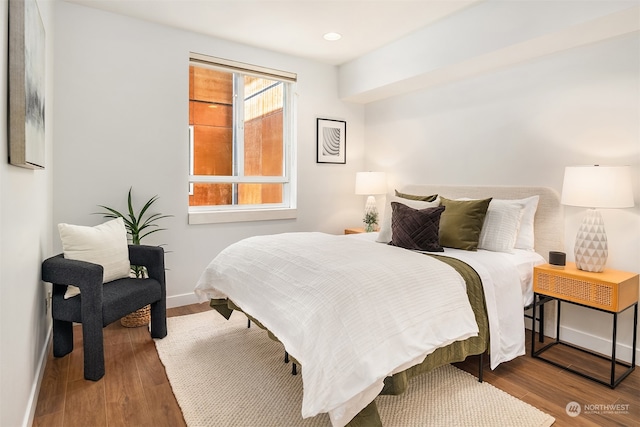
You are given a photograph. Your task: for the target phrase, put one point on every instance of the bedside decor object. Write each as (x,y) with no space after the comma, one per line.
(369,184)
(370,220)
(557,259)
(331,141)
(26,85)
(138,227)
(595,187)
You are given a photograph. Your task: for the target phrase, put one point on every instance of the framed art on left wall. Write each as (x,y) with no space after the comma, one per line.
(26,85)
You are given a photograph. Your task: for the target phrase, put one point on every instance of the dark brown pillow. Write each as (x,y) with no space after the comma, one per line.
(430,198)
(415,229)
(461,223)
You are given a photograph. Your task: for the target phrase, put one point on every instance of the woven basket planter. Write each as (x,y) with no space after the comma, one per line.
(138,318)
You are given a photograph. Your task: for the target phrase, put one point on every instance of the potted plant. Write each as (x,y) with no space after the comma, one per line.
(138,227)
(370,220)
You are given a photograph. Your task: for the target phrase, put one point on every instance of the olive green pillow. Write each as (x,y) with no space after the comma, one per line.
(461,222)
(430,198)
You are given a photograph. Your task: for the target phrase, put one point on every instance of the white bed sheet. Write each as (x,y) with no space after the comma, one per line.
(226,277)
(312,308)
(507,280)
(524,262)
(500,274)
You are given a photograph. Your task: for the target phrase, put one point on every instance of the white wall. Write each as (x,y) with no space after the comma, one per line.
(25,238)
(122,121)
(521,126)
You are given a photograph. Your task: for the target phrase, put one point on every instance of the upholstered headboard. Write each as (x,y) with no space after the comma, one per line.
(548,223)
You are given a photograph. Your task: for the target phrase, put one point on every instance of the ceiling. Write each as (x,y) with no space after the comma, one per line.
(293,27)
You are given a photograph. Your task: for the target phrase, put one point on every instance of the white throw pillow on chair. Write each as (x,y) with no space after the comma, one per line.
(105,244)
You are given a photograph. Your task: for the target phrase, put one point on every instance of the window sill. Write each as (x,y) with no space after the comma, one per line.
(217,217)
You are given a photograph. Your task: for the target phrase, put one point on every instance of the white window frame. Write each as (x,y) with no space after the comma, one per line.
(238,213)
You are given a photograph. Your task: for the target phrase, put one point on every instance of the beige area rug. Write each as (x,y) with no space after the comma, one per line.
(224,374)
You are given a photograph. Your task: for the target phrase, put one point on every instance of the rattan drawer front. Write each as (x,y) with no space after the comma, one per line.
(576,290)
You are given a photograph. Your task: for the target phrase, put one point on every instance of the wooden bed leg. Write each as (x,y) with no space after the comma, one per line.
(286,357)
(248,323)
(481,367)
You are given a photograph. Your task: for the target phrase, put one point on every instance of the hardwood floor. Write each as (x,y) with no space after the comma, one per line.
(135,390)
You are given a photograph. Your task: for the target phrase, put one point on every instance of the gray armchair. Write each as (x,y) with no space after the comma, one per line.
(101,304)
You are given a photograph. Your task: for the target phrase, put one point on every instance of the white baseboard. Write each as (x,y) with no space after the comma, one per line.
(183,299)
(37,381)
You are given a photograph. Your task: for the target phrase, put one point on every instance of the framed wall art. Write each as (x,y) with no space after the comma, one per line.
(331,141)
(26,85)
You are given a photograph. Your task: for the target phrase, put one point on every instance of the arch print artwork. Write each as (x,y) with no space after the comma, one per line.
(331,141)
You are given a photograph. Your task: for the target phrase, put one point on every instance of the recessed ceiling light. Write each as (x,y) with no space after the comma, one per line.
(332,36)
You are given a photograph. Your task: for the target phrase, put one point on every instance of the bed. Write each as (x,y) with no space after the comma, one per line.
(362,314)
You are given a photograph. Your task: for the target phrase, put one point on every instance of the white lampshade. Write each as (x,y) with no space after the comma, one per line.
(597,187)
(370,183)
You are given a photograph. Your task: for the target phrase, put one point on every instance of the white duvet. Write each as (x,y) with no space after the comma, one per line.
(340,305)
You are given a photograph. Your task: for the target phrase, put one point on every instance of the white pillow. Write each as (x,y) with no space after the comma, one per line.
(501,225)
(384,236)
(526,238)
(105,244)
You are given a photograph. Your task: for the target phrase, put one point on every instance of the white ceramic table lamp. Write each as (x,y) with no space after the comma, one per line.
(369,184)
(595,187)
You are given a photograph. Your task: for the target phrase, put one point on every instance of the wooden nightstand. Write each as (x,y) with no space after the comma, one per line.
(354,230)
(611,291)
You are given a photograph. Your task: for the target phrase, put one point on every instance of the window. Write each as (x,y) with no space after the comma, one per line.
(241,142)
